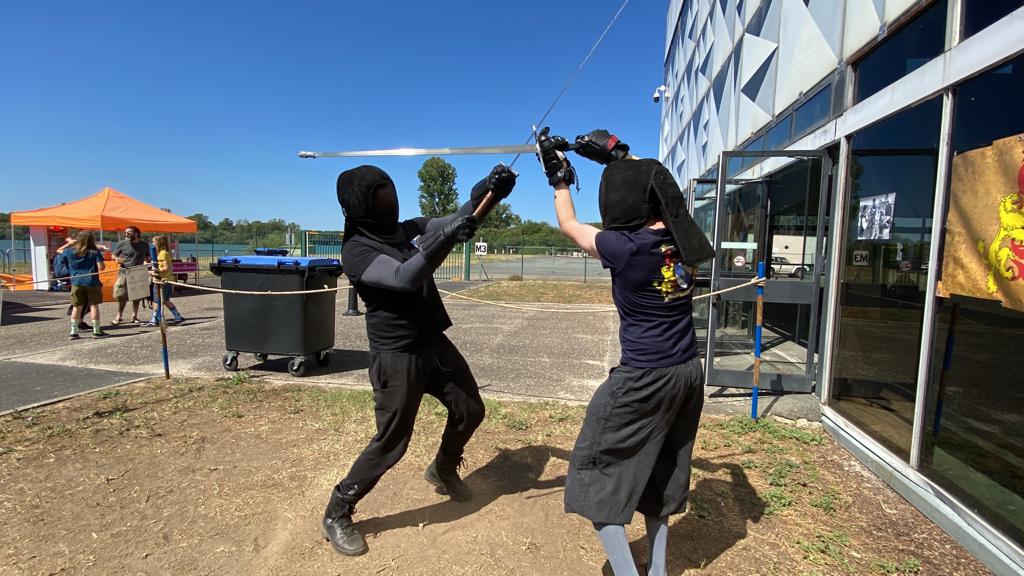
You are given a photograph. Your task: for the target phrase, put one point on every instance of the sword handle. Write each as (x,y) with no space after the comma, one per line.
(485,207)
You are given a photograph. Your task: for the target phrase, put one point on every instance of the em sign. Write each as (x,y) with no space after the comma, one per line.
(860,257)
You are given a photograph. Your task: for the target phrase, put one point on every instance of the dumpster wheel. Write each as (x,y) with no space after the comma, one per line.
(297,366)
(261,356)
(231,361)
(323,357)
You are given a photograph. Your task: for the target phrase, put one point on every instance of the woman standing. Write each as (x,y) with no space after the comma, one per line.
(164,271)
(84,262)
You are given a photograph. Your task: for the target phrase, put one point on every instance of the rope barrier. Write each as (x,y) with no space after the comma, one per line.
(752,282)
(72,277)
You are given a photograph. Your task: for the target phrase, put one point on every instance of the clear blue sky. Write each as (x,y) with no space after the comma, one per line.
(202,106)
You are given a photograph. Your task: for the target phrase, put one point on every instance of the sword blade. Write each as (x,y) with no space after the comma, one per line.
(515,149)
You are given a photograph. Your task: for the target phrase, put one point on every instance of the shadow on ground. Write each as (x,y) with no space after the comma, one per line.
(14,313)
(509,472)
(717,518)
(338,361)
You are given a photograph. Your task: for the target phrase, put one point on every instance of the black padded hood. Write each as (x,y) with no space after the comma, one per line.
(632,191)
(355,194)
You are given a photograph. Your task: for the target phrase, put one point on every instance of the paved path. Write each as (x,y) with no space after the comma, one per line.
(514,353)
(29,383)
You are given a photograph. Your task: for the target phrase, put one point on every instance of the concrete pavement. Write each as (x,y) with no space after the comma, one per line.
(514,353)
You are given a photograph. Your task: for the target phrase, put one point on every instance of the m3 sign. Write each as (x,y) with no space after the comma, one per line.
(860,257)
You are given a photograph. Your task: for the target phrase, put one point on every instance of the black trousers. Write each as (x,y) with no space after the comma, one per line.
(399,380)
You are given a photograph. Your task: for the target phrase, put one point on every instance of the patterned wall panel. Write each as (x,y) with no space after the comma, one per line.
(733,66)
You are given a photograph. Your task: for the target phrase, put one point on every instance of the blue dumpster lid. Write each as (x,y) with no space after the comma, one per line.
(263,251)
(295,262)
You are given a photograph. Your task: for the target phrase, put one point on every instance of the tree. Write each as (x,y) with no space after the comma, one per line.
(20,232)
(438,195)
(501,217)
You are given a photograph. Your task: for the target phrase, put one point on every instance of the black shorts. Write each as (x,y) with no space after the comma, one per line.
(633,452)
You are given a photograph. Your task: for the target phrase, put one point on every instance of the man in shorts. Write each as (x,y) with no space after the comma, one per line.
(130,252)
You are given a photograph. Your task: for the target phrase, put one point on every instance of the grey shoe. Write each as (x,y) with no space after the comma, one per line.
(445,479)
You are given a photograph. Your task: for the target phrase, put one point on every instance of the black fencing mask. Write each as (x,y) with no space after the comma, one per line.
(633,191)
(369,202)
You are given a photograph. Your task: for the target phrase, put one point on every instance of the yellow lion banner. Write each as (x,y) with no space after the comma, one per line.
(983,255)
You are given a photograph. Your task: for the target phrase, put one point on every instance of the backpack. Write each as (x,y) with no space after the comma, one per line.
(60,266)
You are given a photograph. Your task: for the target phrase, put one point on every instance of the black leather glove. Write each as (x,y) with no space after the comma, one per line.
(601,147)
(436,245)
(551,156)
(460,229)
(500,181)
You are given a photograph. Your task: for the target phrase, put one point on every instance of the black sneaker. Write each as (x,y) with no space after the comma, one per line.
(100,334)
(447,481)
(74,336)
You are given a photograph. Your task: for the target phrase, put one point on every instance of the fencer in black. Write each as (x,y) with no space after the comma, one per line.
(391,265)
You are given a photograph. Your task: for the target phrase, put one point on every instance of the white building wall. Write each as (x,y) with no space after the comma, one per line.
(732,66)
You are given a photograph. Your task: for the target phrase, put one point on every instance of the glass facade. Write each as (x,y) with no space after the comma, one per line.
(813,112)
(906,50)
(969,444)
(980,14)
(890,191)
(973,443)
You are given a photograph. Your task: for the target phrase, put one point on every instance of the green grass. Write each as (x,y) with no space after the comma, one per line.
(827,502)
(826,548)
(776,501)
(908,566)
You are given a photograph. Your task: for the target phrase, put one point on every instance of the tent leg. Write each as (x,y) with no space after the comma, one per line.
(195,254)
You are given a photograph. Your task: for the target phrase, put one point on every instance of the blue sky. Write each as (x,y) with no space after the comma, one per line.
(202,106)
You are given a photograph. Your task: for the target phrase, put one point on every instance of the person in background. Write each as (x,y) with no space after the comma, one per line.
(85,261)
(130,252)
(164,271)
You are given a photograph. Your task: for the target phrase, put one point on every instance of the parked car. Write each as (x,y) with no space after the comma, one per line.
(781,266)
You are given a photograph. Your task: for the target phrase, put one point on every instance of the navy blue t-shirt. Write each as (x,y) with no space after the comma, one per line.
(652,290)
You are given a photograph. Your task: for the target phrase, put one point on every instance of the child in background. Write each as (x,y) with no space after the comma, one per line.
(84,261)
(164,271)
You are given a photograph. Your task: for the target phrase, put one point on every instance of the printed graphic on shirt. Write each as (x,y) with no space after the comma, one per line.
(676,278)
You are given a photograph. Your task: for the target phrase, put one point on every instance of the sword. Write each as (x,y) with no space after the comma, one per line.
(514,149)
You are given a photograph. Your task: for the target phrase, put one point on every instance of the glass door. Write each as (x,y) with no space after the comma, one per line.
(702,204)
(770,209)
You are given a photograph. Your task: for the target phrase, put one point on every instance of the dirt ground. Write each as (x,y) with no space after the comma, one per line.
(231,477)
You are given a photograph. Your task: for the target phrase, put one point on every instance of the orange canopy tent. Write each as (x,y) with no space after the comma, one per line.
(107,209)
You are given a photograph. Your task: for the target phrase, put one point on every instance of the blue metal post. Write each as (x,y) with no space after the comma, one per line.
(757,341)
(160,314)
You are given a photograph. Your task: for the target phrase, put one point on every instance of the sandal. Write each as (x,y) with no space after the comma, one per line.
(116,321)
(135,320)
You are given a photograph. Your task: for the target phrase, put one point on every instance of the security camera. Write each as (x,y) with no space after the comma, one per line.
(659,92)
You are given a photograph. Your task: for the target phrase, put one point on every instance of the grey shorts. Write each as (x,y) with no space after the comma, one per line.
(633,452)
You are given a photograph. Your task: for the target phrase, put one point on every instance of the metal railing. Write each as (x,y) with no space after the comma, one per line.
(328,244)
(511,262)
